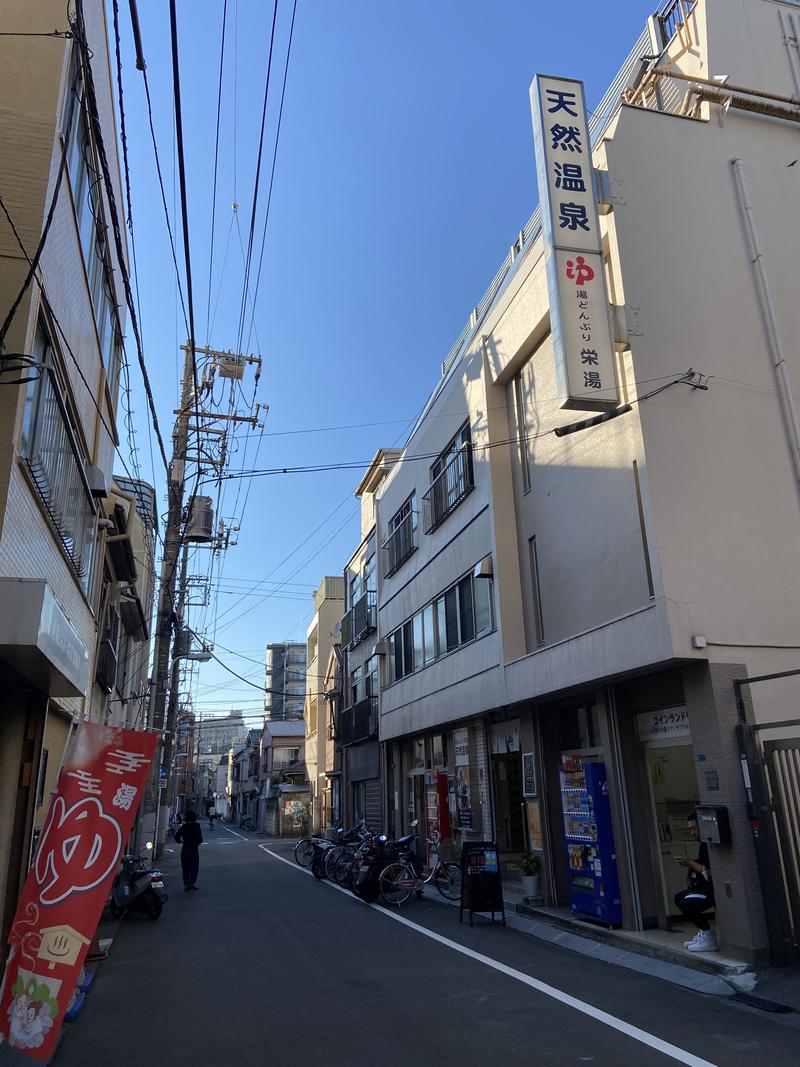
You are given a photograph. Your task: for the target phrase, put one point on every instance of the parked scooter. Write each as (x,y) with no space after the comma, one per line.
(138,889)
(375,859)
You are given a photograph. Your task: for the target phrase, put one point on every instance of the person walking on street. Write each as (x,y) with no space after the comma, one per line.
(190,836)
(699,894)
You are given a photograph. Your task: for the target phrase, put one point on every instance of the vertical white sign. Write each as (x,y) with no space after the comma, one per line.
(579,317)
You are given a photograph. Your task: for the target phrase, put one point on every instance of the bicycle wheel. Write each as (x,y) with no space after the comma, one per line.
(304,852)
(343,869)
(396,883)
(448,880)
(330,858)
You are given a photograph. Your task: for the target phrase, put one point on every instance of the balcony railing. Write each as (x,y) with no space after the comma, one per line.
(400,543)
(360,620)
(448,490)
(360,722)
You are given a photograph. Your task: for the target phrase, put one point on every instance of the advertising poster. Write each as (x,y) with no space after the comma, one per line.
(461,746)
(76,861)
(535,842)
(463,798)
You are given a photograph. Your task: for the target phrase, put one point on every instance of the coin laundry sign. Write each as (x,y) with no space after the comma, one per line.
(76,860)
(582,341)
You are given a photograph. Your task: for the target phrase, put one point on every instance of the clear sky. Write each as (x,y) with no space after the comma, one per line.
(404,171)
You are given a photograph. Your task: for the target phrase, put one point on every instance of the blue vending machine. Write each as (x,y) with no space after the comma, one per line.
(591,857)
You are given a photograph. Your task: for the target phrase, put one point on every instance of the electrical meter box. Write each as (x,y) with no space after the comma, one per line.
(713,824)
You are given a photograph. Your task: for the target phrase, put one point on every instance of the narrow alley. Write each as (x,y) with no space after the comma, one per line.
(227,973)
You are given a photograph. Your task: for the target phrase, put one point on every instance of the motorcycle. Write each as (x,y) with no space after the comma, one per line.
(138,889)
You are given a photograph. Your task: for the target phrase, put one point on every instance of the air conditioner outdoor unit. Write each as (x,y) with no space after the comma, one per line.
(200,526)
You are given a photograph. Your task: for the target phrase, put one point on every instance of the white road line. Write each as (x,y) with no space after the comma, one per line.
(597,1014)
(235,834)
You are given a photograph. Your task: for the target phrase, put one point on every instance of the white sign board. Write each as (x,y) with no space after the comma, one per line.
(579,316)
(663,725)
(461,746)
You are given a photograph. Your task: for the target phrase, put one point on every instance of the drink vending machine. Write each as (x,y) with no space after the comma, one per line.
(591,856)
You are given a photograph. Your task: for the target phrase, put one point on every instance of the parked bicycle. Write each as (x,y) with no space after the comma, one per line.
(247,823)
(399,880)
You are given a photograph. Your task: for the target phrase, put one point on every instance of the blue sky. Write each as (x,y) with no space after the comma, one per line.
(404,171)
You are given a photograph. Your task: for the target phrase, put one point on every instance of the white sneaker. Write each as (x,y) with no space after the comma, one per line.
(691,941)
(706,941)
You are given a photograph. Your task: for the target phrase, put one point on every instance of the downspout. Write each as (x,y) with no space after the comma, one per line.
(770,319)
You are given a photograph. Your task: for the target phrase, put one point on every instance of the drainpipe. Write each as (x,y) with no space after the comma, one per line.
(770,319)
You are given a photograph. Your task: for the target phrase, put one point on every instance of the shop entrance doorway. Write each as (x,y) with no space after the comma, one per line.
(507,783)
(673,794)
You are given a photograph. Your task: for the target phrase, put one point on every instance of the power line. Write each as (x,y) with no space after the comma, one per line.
(79,32)
(216,165)
(256,184)
(272,174)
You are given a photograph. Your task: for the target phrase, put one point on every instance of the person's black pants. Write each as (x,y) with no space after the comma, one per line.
(692,903)
(190,862)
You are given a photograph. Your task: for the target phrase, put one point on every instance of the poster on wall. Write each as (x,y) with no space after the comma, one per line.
(505,737)
(528,775)
(461,746)
(463,798)
(535,842)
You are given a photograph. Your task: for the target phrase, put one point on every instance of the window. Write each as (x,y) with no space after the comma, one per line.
(536,593)
(359,801)
(402,539)
(55,464)
(419,642)
(371,685)
(429,634)
(451,479)
(482,596)
(355,686)
(466,618)
(369,574)
(458,616)
(522,398)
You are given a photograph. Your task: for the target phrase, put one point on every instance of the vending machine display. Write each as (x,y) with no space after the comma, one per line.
(591,857)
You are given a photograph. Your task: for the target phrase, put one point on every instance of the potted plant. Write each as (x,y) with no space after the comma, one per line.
(531,867)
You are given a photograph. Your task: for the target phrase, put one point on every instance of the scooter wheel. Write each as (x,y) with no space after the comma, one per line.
(151,906)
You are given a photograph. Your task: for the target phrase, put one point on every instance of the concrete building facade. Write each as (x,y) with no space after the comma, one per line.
(323,633)
(598,596)
(58,425)
(285,672)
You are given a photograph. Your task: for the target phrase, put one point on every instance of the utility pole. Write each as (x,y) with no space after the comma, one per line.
(170,610)
(169,566)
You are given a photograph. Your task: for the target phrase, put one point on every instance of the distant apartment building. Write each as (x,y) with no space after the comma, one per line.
(589,629)
(323,634)
(285,681)
(58,425)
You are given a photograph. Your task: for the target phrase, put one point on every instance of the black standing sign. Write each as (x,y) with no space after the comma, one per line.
(481,883)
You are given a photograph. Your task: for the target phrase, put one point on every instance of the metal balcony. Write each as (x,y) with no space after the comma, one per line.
(360,620)
(448,490)
(360,722)
(400,543)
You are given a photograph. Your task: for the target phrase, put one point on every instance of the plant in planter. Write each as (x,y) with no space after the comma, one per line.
(531,867)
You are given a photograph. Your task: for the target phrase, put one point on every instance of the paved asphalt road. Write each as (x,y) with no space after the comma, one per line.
(265,965)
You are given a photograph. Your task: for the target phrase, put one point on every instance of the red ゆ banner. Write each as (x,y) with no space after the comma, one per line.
(76,860)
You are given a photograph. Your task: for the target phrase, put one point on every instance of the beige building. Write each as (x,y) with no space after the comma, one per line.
(57,430)
(592,597)
(322,635)
(357,736)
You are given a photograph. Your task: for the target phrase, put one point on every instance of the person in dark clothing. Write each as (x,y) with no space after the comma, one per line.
(190,837)
(699,894)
